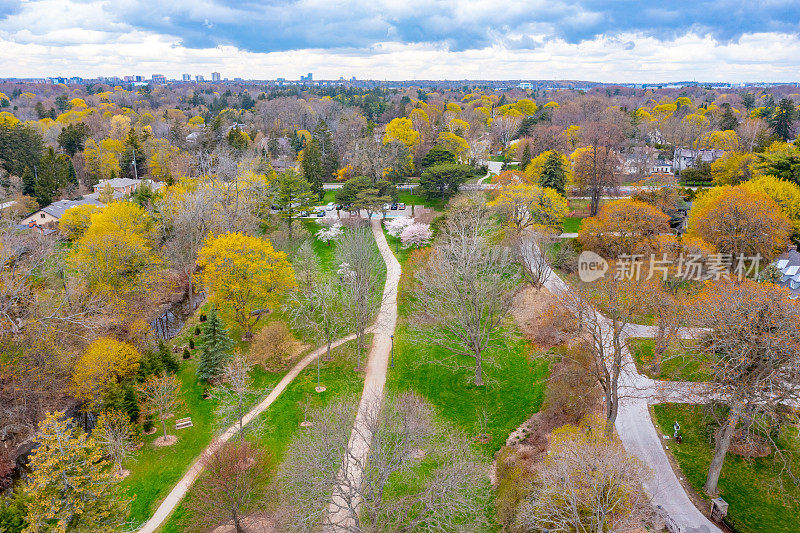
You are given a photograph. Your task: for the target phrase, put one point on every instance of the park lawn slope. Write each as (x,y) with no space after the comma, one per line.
(750,486)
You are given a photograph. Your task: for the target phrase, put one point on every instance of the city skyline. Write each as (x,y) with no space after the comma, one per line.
(588,40)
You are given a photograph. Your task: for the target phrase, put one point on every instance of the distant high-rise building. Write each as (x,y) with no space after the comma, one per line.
(199,77)
(129,78)
(187,77)
(138,78)
(215,76)
(310,77)
(159,78)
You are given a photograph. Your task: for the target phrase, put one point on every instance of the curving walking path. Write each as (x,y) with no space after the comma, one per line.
(638,433)
(344,501)
(182,487)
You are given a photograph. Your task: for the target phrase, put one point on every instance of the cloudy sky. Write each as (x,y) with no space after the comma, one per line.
(611,40)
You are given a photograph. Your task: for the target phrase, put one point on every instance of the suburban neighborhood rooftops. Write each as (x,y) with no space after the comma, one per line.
(58,208)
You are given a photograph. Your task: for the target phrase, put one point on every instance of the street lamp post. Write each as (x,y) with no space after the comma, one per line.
(392,337)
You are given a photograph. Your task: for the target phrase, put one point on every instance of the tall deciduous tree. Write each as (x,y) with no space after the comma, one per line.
(753,346)
(115,433)
(161,397)
(464,291)
(71,486)
(246,275)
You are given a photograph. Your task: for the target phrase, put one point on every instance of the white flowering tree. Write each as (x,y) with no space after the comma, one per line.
(331,233)
(416,235)
(395,226)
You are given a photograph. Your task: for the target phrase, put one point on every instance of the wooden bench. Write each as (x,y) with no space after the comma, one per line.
(183,423)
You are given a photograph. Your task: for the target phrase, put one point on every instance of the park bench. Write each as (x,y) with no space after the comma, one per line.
(182,423)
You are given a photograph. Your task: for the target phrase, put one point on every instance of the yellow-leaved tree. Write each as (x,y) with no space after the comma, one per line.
(739,221)
(76,220)
(456,144)
(401,129)
(115,255)
(244,275)
(71,486)
(522,206)
(105,363)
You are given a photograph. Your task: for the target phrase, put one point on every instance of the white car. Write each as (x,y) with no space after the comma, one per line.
(330,207)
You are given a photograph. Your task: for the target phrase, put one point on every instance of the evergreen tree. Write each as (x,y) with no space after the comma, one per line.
(728,120)
(554,175)
(28,182)
(330,159)
(133,145)
(782,119)
(526,157)
(216,347)
(312,167)
(71,487)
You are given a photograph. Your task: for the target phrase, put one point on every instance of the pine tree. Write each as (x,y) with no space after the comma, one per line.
(312,167)
(554,175)
(526,157)
(330,160)
(216,347)
(28,183)
(71,487)
(782,119)
(133,145)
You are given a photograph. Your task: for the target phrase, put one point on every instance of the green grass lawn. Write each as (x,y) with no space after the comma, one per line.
(572,224)
(748,485)
(514,388)
(397,248)
(678,364)
(326,252)
(282,420)
(411,198)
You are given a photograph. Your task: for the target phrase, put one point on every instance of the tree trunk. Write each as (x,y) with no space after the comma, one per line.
(164,425)
(721,450)
(478,371)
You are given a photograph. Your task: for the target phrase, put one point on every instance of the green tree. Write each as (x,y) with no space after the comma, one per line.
(133,153)
(728,120)
(71,487)
(293,195)
(347,194)
(525,160)
(73,137)
(554,174)
(438,155)
(216,348)
(783,164)
(327,150)
(782,119)
(442,181)
(312,167)
(53,174)
(20,146)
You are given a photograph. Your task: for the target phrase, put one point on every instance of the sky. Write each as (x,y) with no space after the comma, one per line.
(606,41)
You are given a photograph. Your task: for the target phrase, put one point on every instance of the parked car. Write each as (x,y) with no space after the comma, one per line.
(339,207)
(394,206)
(402,206)
(330,207)
(320,213)
(386,207)
(303,213)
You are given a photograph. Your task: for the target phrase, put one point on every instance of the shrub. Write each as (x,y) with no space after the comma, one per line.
(191,344)
(186,353)
(274,346)
(197,330)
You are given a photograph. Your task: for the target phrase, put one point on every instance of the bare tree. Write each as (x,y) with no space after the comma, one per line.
(465,290)
(115,433)
(320,311)
(605,334)
(226,493)
(234,394)
(587,483)
(160,394)
(531,249)
(753,344)
(361,268)
(454,496)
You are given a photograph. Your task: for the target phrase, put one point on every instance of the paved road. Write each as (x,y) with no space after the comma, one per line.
(179,491)
(343,500)
(638,434)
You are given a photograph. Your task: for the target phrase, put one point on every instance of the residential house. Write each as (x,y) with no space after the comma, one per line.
(788,264)
(51,214)
(686,157)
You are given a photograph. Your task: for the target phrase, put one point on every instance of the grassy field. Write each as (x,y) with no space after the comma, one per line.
(326,252)
(748,485)
(410,198)
(514,387)
(282,420)
(678,364)
(572,224)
